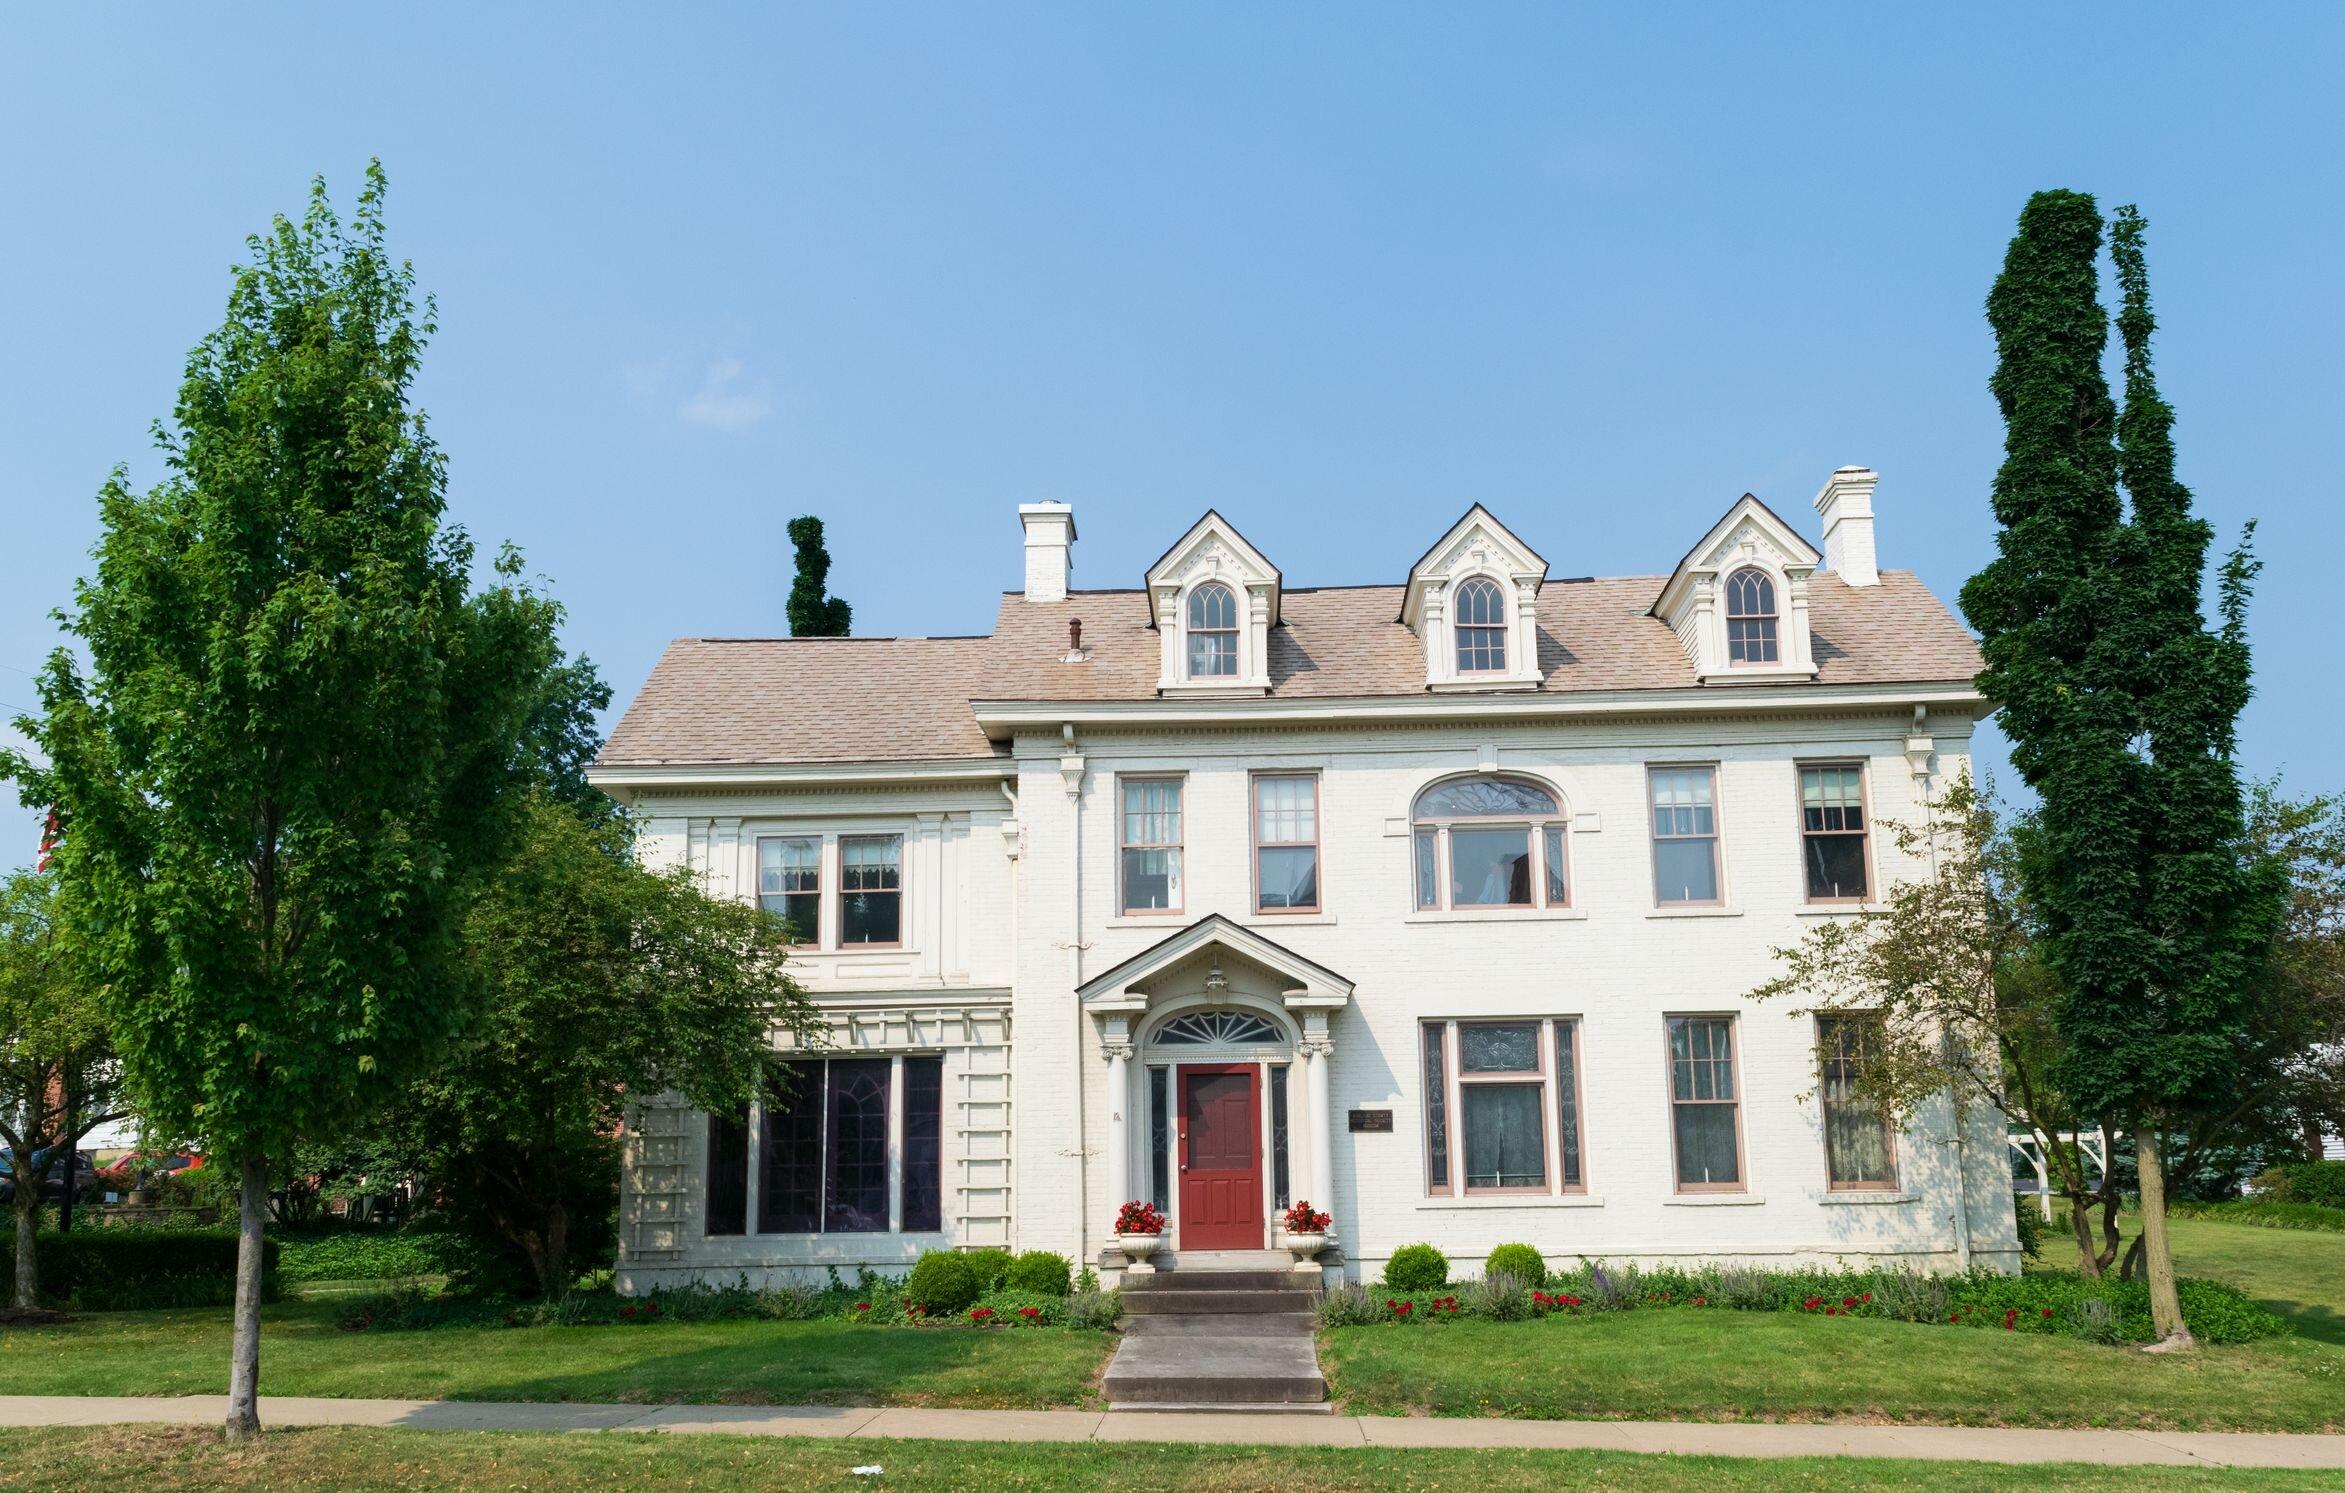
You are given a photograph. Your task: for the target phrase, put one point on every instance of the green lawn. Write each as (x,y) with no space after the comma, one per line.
(1780,1366)
(779,1363)
(151,1459)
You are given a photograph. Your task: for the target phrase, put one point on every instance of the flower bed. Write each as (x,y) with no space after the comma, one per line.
(2106,1311)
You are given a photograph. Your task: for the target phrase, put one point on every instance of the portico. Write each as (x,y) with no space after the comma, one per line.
(1217,1042)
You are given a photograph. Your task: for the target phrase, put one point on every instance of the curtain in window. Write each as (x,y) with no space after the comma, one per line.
(1506,1143)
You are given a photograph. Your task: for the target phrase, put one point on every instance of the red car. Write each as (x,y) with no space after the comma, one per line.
(128,1171)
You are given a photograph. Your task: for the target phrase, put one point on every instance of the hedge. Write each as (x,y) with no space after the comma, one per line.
(368,1254)
(2258,1213)
(2320,1183)
(111,1270)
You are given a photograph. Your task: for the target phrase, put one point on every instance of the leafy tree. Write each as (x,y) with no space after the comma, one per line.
(2120,705)
(602,982)
(814,612)
(58,1077)
(297,731)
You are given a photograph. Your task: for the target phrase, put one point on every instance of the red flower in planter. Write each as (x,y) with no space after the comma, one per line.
(1137,1217)
(1300,1219)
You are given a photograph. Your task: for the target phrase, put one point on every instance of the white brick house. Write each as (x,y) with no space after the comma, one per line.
(1432,903)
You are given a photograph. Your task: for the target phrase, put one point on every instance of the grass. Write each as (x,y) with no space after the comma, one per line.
(148,1458)
(777,1363)
(1701,1365)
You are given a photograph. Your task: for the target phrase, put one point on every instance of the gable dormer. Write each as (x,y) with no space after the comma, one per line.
(1214,598)
(1738,601)
(1472,600)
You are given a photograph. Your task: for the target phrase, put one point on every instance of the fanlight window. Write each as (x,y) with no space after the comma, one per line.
(1490,842)
(1208,1028)
(1481,627)
(1213,632)
(1750,618)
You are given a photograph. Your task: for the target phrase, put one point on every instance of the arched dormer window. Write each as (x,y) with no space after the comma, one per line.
(1750,618)
(1481,627)
(1489,842)
(1213,632)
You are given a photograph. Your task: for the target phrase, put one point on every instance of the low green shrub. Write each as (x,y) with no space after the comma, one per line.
(1040,1271)
(1348,1304)
(1015,1308)
(365,1253)
(2029,1220)
(1094,1310)
(2262,1214)
(944,1282)
(1521,1261)
(113,1270)
(2320,1183)
(992,1267)
(1416,1267)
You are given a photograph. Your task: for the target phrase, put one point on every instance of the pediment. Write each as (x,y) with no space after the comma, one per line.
(1476,542)
(1214,549)
(1750,532)
(1185,958)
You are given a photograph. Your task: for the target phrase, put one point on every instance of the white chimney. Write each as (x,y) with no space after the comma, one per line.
(1050,549)
(1847,506)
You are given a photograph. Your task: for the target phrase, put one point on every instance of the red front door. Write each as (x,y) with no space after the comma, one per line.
(1221,1158)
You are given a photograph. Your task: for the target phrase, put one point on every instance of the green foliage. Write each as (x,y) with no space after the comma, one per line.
(2257,1213)
(813,611)
(1093,1310)
(2320,1183)
(992,1267)
(943,1282)
(364,1253)
(1416,1267)
(1041,1272)
(2030,1223)
(1011,1305)
(110,1270)
(1348,1304)
(1524,1263)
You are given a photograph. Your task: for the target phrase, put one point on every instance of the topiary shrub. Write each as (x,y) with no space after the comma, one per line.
(1521,1261)
(1416,1267)
(1040,1272)
(942,1282)
(992,1267)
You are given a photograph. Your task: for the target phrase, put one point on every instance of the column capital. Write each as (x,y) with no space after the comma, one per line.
(1316,1047)
(1115,1051)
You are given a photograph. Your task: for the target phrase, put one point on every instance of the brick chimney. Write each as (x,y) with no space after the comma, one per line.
(1847,506)
(1050,549)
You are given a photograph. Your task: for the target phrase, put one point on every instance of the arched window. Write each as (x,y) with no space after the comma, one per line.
(1208,1028)
(1481,627)
(1213,632)
(1490,842)
(1750,618)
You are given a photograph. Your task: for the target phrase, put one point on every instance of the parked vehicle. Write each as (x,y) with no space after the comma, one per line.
(137,1168)
(86,1182)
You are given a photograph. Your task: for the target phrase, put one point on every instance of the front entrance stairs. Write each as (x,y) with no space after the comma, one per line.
(1200,1338)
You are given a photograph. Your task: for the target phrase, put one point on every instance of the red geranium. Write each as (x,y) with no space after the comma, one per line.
(981,1314)
(1301,1220)
(1136,1217)
(1029,1312)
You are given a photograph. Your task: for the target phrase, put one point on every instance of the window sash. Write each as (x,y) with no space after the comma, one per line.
(1834,832)
(1540,877)
(1148,862)
(789,883)
(1705,1104)
(1751,618)
(1286,842)
(1485,1124)
(1860,1149)
(1686,868)
(871,891)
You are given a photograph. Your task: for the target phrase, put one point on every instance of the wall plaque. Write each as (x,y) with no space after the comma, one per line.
(1371,1120)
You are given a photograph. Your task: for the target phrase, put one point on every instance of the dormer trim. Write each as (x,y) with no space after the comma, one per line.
(1693,600)
(1477,546)
(1213,551)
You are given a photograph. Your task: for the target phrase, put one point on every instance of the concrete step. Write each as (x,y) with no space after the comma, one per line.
(1223,1280)
(1189,1301)
(1214,1371)
(1219,1391)
(1223,1324)
(1294,1407)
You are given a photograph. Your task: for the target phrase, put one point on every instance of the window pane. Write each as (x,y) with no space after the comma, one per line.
(1506,1144)
(1856,1145)
(1152,880)
(924,1103)
(1683,803)
(1558,889)
(1685,870)
(1428,877)
(1490,867)
(789,885)
(1213,655)
(1286,811)
(1290,876)
(1159,1138)
(1705,1145)
(1213,606)
(1832,799)
(855,1178)
(870,889)
(1152,813)
(1836,866)
(871,917)
(1279,1171)
(727,1208)
(1499,1049)
(1701,1058)
(789,1198)
(1567,1101)
(1484,798)
(1436,1113)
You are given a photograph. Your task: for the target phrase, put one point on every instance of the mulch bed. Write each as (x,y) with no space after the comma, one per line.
(30,1316)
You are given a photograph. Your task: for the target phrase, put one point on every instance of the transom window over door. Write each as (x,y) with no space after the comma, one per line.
(1750,618)
(1150,857)
(1481,627)
(1213,632)
(1490,842)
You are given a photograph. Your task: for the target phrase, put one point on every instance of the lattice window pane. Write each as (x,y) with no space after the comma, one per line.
(1201,1028)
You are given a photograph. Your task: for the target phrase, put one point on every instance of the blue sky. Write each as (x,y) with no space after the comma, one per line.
(1337,271)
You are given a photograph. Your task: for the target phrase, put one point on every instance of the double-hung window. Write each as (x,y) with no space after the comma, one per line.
(1213,632)
(1502,1106)
(1859,1155)
(1481,627)
(1490,842)
(871,890)
(1685,835)
(1286,842)
(789,884)
(1750,619)
(1832,831)
(1705,1115)
(847,1146)
(1150,860)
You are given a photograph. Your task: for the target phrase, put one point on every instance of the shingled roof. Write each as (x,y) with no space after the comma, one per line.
(825,700)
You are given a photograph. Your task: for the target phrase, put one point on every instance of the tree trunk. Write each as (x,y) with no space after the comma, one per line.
(554,1277)
(244,1369)
(2313,1149)
(2165,1301)
(28,1228)
(2080,1220)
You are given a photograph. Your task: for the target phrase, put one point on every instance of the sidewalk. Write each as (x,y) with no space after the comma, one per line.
(1927,1443)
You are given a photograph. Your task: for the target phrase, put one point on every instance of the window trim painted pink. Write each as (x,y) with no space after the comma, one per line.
(1256,844)
(1717,835)
(1824,1111)
(822,890)
(903,879)
(1534,827)
(1124,909)
(1799,807)
(1742,1160)
(1455,1081)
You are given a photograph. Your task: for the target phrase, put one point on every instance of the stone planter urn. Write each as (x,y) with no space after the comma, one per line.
(1305,1248)
(1137,1248)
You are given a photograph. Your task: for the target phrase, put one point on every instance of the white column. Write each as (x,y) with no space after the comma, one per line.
(1322,1125)
(1119,1143)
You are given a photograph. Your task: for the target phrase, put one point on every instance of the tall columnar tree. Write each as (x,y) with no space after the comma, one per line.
(2119,704)
(297,731)
(814,612)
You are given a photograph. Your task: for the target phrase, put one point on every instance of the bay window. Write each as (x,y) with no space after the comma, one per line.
(1502,1107)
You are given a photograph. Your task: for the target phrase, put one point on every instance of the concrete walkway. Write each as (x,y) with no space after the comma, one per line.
(1929,1443)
